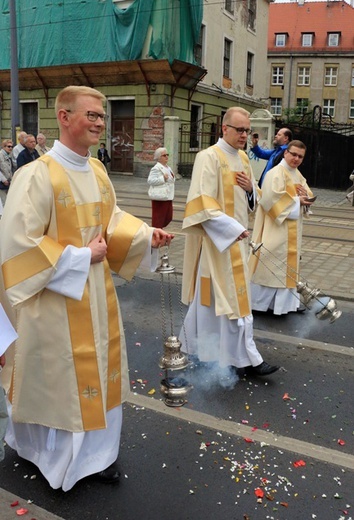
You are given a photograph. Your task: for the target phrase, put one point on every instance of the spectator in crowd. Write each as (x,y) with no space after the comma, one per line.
(6,168)
(61,235)
(29,153)
(102,155)
(162,189)
(280,142)
(284,202)
(218,326)
(41,146)
(19,147)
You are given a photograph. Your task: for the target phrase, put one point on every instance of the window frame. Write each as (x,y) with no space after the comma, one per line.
(330,110)
(303,37)
(278,39)
(249,69)
(277,75)
(229,6)
(351,109)
(330,79)
(276,108)
(335,36)
(227,59)
(302,75)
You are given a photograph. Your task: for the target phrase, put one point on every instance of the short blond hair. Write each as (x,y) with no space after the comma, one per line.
(234,110)
(68,96)
(6,142)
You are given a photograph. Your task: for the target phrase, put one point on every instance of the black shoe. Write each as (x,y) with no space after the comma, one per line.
(109,475)
(301,308)
(264,369)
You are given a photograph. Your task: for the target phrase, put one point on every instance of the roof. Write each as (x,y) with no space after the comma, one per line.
(318,18)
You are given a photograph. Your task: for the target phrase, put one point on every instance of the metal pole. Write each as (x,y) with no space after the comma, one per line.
(15,105)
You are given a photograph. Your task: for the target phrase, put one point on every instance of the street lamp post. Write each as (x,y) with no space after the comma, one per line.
(15,106)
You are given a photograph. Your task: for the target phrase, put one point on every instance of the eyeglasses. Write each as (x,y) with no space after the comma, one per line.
(92,116)
(8,146)
(240,130)
(296,155)
(164,155)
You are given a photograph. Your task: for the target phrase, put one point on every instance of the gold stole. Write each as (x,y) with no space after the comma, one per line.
(239,276)
(70,220)
(292,267)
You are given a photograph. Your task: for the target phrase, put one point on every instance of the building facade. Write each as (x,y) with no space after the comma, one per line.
(311,59)
(169,70)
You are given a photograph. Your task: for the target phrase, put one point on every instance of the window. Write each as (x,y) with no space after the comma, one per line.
(333,39)
(307,39)
(280,40)
(328,107)
(303,75)
(199,47)
(330,79)
(277,75)
(196,131)
(229,6)
(29,117)
(352,76)
(227,58)
(275,106)
(252,11)
(302,105)
(249,72)
(351,109)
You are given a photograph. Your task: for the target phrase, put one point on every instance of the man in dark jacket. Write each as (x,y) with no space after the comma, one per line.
(30,153)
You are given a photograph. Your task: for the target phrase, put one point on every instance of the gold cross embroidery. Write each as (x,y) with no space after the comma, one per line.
(241,290)
(90,393)
(114,376)
(97,212)
(105,193)
(64,198)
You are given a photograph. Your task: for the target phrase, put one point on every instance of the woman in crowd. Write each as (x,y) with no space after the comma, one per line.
(162,189)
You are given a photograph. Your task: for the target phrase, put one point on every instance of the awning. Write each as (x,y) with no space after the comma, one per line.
(148,72)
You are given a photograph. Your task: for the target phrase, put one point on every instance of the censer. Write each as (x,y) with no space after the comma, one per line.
(323,306)
(173,388)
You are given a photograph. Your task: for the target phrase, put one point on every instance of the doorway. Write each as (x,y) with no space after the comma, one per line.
(122,131)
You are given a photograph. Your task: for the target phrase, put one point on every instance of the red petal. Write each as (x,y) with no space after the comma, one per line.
(259,493)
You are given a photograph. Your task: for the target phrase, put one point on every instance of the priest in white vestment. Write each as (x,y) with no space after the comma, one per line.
(219,324)
(61,235)
(284,202)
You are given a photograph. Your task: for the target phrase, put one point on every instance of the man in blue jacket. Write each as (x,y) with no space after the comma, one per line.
(280,142)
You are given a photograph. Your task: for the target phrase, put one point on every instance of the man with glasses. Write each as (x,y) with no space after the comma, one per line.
(274,268)
(219,325)
(61,236)
(7,168)
(281,140)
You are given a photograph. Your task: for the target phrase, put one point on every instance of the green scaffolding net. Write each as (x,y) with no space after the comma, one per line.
(63,32)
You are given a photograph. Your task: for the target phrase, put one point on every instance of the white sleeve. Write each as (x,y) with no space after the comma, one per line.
(150,258)
(71,273)
(295,211)
(223,231)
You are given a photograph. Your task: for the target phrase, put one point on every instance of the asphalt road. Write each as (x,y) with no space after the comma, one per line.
(288,437)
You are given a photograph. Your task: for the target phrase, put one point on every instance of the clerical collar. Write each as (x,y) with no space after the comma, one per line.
(226,147)
(289,168)
(69,159)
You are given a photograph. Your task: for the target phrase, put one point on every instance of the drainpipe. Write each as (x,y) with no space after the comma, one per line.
(290,80)
(15,106)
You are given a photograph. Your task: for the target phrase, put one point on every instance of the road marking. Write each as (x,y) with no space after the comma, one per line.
(279,442)
(303,342)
